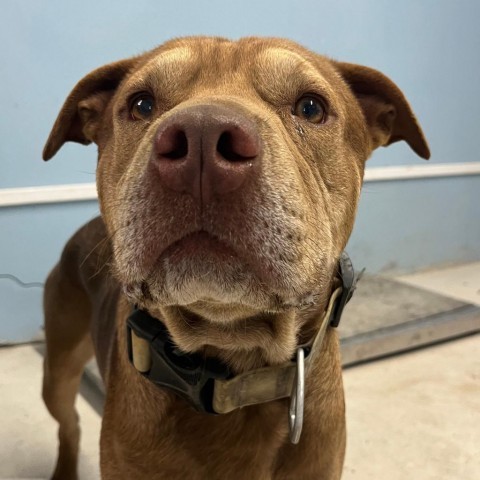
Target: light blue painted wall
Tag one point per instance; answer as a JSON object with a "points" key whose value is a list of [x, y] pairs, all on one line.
{"points": [[403, 226], [429, 47], [30, 245]]}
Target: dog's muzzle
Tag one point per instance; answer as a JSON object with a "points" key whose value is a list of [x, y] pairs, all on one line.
{"points": [[209, 386]]}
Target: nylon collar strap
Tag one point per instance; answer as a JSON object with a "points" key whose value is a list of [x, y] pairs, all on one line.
{"points": [[207, 384]]}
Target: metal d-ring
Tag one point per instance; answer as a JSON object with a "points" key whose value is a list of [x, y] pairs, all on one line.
{"points": [[295, 414]]}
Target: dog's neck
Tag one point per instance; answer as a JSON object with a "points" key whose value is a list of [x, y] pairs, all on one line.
{"points": [[266, 340], [208, 384], [253, 341]]}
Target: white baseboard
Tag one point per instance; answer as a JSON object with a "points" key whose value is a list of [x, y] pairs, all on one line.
{"points": [[406, 172], [81, 192], [76, 192]]}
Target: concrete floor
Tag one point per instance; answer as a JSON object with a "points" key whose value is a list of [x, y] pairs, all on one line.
{"points": [[461, 282], [28, 433], [413, 416], [416, 415]]}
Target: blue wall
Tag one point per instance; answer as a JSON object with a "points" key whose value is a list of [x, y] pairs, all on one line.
{"points": [[429, 47]]}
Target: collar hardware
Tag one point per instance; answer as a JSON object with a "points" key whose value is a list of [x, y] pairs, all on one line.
{"points": [[297, 397], [349, 279], [190, 376]]}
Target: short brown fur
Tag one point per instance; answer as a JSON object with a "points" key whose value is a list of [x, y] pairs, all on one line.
{"points": [[251, 301]]}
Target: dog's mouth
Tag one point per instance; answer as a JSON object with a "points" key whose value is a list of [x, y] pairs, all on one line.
{"points": [[201, 267], [197, 267], [198, 246], [202, 253]]}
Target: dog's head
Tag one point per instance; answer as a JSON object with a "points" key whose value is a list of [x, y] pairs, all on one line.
{"points": [[229, 174]]}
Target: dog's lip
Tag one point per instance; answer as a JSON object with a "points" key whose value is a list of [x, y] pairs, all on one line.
{"points": [[197, 243], [202, 245]]}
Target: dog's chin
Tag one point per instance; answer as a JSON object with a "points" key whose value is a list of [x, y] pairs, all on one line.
{"points": [[218, 295], [218, 291], [202, 284], [213, 280]]}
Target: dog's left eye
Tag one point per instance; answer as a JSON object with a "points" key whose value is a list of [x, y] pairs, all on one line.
{"points": [[311, 109], [142, 106]]}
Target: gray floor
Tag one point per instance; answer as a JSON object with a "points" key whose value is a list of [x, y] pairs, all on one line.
{"points": [[414, 415], [28, 434]]}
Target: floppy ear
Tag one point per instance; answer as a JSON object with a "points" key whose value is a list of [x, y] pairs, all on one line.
{"points": [[82, 111], [387, 112]]}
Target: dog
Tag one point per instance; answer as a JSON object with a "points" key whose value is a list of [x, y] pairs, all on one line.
{"points": [[228, 178]]}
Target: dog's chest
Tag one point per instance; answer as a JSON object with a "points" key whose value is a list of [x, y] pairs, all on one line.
{"points": [[169, 439]]}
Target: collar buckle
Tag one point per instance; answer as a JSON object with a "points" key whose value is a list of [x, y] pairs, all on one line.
{"points": [[157, 358]]}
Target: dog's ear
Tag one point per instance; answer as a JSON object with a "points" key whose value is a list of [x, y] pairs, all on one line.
{"points": [[82, 111], [387, 112]]}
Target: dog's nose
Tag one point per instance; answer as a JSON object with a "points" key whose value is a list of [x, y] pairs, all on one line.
{"points": [[206, 151]]}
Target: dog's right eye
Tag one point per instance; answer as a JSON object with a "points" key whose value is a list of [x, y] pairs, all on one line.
{"points": [[142, 106]]}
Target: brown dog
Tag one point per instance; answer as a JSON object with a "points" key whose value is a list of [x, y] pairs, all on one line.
{"points": [[228, 177]]}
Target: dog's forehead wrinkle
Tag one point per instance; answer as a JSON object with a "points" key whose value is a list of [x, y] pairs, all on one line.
{"points": [[166, 59], [282, 65], [284, 58], [210, 62], [173, 56], [165, 69]]}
